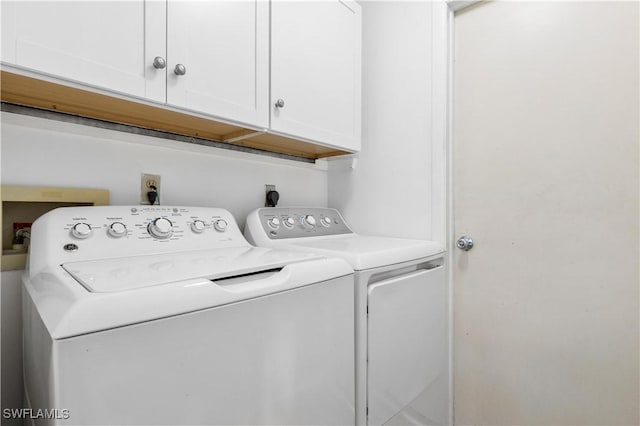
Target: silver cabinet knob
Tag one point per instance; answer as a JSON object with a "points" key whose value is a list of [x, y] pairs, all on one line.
{"points": [[159, 63], [280, 103], [180, 69], [465, 243]]}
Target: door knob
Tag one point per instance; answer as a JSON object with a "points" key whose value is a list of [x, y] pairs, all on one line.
{"points": [[465, 243]]}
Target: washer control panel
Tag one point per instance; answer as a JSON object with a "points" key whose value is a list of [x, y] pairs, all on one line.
{"points": [[95, 232], [300, 222]]}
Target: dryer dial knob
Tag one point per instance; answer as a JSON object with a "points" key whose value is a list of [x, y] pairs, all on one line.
{"points": [[117, 229], [326, 221], [289, 222], [160, 228], [81, 230], [274, 223], [220, 225], [308, 222], [197, 226]]}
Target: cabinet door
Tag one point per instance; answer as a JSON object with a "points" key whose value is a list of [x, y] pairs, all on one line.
{"points": [[101, 43], [224, 48], [315, 71]]}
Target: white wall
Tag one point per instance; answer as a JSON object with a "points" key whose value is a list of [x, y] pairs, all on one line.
{"points": [[392, 191], [43, 152]]}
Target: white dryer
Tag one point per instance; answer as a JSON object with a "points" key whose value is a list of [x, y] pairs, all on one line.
{"points": [[166, 315], [402, 344]]}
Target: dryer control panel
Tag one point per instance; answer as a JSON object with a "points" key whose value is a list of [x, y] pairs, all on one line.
{"points": [[102, 232], [297, 222]]}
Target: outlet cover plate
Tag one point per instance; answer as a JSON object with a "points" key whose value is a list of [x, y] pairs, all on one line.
{"points": [[146, 181]]}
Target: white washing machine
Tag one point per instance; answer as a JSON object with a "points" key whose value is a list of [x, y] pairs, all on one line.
{"points": [[166, 315], [402, 344]]}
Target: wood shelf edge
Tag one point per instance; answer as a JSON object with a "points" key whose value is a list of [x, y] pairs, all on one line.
{"points": [[52, 96]]}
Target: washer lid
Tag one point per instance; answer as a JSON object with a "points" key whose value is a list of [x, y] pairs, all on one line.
{"points": [[119, 292], [121, 274], [366, 252]]}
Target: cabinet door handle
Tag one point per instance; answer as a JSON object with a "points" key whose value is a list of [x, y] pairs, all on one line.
{"points": [[159, 63], [180, 69], [280, 103]]}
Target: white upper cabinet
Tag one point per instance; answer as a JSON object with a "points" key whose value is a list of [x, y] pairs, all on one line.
{"points": [[315, 71], [289, 67], [109, 44], [224, 49]]}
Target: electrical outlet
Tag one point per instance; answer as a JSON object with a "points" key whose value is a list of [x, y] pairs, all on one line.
{"points": [[268, 188], [146, 183]]}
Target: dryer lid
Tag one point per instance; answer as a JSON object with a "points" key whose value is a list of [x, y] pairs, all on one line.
{"points": [[366, 252]]}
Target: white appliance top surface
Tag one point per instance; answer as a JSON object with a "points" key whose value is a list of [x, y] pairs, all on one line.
{"points": [[324, 231], [366, 252], [98, 268], [121, 274]]}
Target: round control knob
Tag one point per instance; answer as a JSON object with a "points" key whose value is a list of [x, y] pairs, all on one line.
{"points": [[274, 223], [160, 228], [197, 226], [326, 221], [220, 225], [81, 230], [309, 222], [117, 229], [289, 222]]}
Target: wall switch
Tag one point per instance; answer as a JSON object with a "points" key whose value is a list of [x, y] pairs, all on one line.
{"points": [[147, 184]]}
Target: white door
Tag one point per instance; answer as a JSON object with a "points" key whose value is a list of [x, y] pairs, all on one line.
{"points": [[109, 44], [224, 49], [315, 71], [546, 183]]}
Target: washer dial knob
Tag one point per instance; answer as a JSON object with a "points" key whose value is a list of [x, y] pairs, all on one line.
{"points": [[289, 222], [197, 226], [220, 225], [326, 221], [308, 222], [160, 228], [274, 223], [117, 229], [81, 230]]}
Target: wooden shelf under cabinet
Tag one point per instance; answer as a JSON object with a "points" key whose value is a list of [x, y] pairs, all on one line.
{"points": [[52, 96], [27, 203]]}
